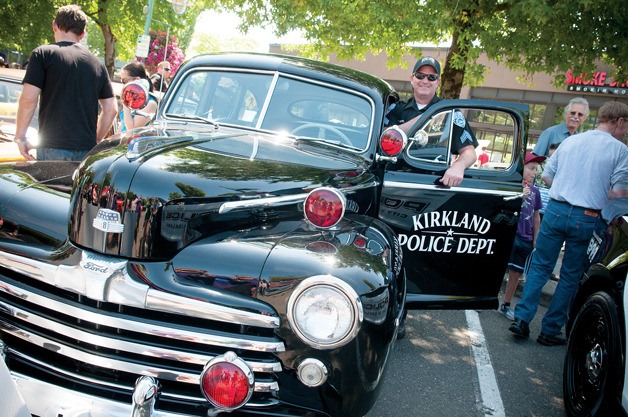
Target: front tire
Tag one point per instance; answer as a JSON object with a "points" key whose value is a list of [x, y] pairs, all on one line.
{"points": [[592, 374]]}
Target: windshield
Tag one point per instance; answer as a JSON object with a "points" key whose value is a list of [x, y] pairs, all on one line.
{"points": [[271, 102]]}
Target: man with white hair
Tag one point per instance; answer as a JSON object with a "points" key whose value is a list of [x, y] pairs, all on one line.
{"points": [[575, 112], [586, 172]]}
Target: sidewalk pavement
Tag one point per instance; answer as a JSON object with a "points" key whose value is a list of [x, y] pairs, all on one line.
{"points": [[548, 289]]}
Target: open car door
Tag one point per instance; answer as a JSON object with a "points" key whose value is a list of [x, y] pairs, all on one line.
{"points": [[457, 241]]}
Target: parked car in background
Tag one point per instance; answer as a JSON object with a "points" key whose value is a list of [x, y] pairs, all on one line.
{"points": [[595, 375], [252, 251], [10, 90]]}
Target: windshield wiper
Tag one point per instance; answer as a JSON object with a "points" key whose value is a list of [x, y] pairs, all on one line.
{"points": [[194, 117]]}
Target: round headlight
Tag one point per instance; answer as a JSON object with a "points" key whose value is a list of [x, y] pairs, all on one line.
{"points": [[325, 312]]}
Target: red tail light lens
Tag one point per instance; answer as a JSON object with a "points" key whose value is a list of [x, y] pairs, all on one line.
{"points": [[324, 207], [135, 95], [392, 141], [227, 382]]}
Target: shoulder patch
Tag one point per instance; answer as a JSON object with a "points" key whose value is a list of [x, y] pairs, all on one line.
{"points": [[459, 119]]}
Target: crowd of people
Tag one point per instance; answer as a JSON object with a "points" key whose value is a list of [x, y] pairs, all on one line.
{"points": [[65, 78]]}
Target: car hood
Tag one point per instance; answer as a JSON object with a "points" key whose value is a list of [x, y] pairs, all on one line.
{"points": [[146, 194]]}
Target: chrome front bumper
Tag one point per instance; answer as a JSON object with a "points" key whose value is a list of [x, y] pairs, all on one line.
{"points": [[47, 400]]}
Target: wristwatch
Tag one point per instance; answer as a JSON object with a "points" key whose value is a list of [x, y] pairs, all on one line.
{"points": [[19, 140]]}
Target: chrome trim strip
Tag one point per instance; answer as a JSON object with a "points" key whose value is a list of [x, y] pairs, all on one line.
{"points": [[283, 200], [251, 343], [267, 99], [163, 301], [414, 186], [110, 343], [261, 202], [105, 278], [45, 399], [118, 365]]}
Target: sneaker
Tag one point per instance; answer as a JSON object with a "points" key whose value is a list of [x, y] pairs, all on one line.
{"points": [[551, 340], [506, 311], [520, 328]]}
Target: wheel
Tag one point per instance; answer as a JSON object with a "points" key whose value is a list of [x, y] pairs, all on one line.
{"points": [[343, 138], [592, 374]]}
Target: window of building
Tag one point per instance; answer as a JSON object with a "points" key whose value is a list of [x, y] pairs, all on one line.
{"points": [[536, 115]]}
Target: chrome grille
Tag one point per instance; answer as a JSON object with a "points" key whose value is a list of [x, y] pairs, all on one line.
{"points": [[102, 346]]}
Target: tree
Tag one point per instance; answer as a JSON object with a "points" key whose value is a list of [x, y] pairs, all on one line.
{"points": [[548, 36], [121, 21], [27, 24]]}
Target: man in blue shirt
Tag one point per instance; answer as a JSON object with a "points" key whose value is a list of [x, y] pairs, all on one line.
{"points": [[586, 172], [575, 112]]}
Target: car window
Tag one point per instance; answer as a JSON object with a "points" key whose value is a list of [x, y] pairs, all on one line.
{"points": [[311, 110], [270, 102], [227, 97], [494, 131]]}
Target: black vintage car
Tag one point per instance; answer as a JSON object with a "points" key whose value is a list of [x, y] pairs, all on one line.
{"points": [[594, 375], [252, 251]]}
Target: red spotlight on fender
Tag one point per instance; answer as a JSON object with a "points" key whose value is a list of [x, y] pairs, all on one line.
{"points": [[324, 207]]}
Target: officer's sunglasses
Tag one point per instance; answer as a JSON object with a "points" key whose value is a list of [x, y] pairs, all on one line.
{"points": [[421, 76]]}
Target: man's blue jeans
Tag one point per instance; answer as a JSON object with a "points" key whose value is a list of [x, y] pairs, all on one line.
{"points": [[52, 154], [561, 223]]}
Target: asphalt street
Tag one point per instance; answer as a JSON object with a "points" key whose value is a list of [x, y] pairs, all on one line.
{"points": [[437, 370]]}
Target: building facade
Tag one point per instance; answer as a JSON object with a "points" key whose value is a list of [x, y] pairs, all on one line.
{"points": [[547, 102]]}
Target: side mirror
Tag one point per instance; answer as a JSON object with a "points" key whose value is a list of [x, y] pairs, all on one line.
{"points": [[420, 138], [135, 95]]}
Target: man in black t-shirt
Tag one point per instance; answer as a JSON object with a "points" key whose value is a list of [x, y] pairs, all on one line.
{"points": [[69, 82], [425, 79]]}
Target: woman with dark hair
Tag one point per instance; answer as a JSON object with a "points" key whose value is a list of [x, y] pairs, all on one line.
{"points": [[135, 71]]}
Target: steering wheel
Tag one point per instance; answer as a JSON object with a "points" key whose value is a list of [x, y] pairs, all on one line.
{"points": [[343, 138]]}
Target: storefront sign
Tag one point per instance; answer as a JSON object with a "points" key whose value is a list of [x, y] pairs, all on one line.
{"points": [[599, 82]]}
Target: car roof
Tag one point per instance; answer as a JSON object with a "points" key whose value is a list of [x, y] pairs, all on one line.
{"points": [[295, 65], [12, 74]]}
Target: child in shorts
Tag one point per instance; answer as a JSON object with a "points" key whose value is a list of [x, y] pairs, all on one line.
{"points": [[527, 231]]}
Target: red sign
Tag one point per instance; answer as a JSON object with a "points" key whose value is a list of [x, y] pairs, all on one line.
{"points": [[598, 82]]}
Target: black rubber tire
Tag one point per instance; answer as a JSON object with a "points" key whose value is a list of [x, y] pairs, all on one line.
{"points": [[593, 369]]}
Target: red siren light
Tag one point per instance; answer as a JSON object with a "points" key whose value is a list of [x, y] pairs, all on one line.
{"points": [[324, 207], [135, 95], [392, 141], [227, 382]]}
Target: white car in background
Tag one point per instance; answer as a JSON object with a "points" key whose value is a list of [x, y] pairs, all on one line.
{"points": [[10, 90]]}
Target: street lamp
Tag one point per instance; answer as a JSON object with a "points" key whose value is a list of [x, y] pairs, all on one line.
{"points": [[179, 7]]}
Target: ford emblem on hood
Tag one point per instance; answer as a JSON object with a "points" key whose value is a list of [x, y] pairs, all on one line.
{"points": [[108, 221]]}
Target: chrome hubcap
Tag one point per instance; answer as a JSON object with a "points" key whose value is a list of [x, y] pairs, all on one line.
{"points": [[594, 362]]}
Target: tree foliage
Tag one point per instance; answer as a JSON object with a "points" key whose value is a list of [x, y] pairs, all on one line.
{"points": [[549, 36], [27, 24]]}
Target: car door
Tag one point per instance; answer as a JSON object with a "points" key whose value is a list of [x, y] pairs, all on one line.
{"points": [[457, 241]]}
